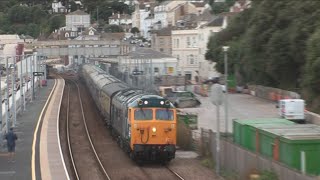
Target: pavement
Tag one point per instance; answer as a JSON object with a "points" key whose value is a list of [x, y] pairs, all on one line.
{"points": [[240, 106], [27, 120]]}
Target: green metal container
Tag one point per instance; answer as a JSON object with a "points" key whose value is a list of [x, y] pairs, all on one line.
{"points": [[268, 136], [291, 148], [287, 142], [244, 131]]}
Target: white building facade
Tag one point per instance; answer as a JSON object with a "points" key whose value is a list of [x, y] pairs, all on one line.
{"points": [[185, 49], [149, 61], [120, 19], [144, 14], [9, 44], [57, 7], [77, 19], [189, 47], [160, 16]]}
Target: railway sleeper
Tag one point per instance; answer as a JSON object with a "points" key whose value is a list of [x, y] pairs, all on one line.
{"points": [[160, 153]]}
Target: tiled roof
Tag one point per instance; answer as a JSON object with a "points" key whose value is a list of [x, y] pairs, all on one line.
{"points": [[150, 17], [216, 22], [199, 4], [163, 32], [26, 37], [206, 16], [112, 36], [78, 12], [86, 32], [9, 36]]}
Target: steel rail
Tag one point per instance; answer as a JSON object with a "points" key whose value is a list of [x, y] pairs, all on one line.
{"points": [[175, 173], [68, 135], [88, 135]]}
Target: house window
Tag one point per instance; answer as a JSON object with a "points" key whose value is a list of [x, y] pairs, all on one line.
{"points": [[156, 70], [188, 76], [177, 43], [188, 42], [196, 59], [161, 49], [161, 41], [194, 42], [191, 59]]}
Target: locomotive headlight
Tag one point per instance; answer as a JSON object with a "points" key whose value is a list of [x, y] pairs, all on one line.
{"points": [[146, 102], [161, 102], [154, 129]]}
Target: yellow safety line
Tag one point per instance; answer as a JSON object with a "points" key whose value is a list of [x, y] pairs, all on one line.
{"points": [[4, 154], [33, 169], [59, 142]]}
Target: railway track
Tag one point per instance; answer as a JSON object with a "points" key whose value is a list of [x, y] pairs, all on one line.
{"points": [[175, 173], [84, 163], [153, 171], [82, 153]]}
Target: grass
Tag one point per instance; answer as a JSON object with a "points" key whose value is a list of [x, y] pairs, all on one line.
{"points": [[268, 175], [208, 162], [229, 175]]}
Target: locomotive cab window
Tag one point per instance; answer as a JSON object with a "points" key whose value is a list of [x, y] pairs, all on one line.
{"points": [[164, 114], [143, 114]]}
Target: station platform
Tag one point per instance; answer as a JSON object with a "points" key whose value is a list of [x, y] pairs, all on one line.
{"points": [[21, 167]]}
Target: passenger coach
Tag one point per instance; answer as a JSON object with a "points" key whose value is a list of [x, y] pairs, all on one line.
{"points": [[143, 124]]}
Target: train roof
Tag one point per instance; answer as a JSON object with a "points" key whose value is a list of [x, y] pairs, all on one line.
{"points": [[122, 92], [106, 82]]}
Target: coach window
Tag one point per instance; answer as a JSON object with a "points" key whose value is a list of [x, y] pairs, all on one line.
{"points": [[164, 114], [143, 114]]}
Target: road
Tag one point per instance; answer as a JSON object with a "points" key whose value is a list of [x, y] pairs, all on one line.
{"points": [[240, 106]]}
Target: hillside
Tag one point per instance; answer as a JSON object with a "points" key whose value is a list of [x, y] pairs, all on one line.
{"points": [[274, 43], [32, 17]]}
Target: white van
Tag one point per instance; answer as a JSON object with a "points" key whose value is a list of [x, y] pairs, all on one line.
{"points": [[292, 109]]}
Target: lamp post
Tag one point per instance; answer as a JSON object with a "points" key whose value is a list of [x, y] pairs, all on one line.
{"points": [[13, 86], [225, 50], [7, 95], [1, 119]]}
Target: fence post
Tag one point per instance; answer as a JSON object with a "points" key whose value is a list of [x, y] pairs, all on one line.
{"points": [[211, 144], [201, 142]]}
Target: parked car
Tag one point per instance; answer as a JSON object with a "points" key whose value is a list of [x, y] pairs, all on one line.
{"points": [[212, 80], [183, 99]]}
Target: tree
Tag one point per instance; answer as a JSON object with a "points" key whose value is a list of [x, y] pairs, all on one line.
{"points": [[219, 7], [56, 22], [134, 30], [73, 6], [275, 43], [113, 28]]}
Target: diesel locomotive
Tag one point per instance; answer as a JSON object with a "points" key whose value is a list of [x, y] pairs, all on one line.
{"points": [[143, 124]]}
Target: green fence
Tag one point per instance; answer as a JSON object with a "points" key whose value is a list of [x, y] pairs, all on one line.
{"points": [[185, 124], [191, 120]]}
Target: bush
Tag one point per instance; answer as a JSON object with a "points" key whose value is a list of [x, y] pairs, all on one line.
{"points": [[268, 175], [208, 162], [229, 175]]}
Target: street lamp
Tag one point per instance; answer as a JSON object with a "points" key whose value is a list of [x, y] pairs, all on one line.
{"points": [[13, 86], [225, 50]]}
